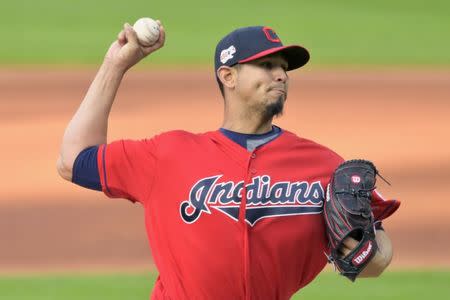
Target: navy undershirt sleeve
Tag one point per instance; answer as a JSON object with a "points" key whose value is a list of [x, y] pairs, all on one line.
{"points": [[85, 169]]}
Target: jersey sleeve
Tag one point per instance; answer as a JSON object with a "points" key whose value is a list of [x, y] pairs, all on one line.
{"points": [[381, 207], [127, 168]]}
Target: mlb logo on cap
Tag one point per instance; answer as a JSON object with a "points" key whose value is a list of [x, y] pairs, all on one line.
{"points": [[250, 43], [227, 54]]}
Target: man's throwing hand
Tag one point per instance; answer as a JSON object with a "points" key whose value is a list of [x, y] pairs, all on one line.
{"points": [[126, 51]]}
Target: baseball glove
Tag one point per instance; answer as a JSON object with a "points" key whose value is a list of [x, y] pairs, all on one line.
{"points": [[348, 213]]}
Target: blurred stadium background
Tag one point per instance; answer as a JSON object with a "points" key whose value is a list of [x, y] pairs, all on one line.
{"points": [[377, 86]]}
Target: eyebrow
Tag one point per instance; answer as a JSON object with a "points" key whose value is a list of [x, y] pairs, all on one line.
{"points": [[282, 62]]}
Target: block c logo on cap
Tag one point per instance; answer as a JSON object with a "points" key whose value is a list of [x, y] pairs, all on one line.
{"points": [[227, 54], [271, 35]]}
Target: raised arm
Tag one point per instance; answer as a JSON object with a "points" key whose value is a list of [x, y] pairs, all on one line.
{"points": [[89, 125]]}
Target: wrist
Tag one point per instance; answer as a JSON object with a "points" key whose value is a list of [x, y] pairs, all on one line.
{"points": [[112, 67], [378, 225]]}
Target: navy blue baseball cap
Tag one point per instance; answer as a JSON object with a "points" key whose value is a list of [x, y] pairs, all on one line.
{"points": [[250, 43]]}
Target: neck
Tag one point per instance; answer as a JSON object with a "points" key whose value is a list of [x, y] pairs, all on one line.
{"points": [[246, 123]]}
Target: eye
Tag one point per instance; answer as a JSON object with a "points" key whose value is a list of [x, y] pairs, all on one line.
{"points": [[267, 65]]}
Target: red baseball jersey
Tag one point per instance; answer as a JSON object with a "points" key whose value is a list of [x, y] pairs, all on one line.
{"points": [[223, 222]]}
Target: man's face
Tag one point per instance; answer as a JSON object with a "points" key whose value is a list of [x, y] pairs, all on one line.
{"points": [[263, 84]]}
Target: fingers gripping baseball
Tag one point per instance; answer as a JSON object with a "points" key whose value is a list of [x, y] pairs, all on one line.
{"points": [[121, 39], [159, 43], [126, 51]]}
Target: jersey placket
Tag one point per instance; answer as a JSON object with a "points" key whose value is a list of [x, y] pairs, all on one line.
{"points": [[249, 174], [246, 160]]}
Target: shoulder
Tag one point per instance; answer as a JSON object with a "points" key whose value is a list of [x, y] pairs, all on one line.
{"points": [[180, 140], [180, 136], [176, 140], [304, 144]]}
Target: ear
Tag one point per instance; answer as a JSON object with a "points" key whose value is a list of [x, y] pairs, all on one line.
{"points": [[227, 75]]}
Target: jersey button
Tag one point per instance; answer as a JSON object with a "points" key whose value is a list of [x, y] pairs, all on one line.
{"points": [[253, 171], [253, 155]]}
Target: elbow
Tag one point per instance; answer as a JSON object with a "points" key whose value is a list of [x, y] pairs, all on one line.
{"points": [[64, 169]]}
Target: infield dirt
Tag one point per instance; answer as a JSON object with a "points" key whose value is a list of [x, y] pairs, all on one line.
{"points": [[398, 119]]}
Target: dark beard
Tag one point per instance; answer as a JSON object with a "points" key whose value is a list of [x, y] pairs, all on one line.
{"points": [[274, 109]]}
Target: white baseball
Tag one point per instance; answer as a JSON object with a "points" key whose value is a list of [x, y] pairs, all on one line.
{"points": [[147, 31]]}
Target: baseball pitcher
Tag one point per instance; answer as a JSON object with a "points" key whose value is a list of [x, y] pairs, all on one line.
{"points": [[246, 211]]}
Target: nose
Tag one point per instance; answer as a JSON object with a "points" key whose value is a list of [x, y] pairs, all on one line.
{"points": [[280, 75]]}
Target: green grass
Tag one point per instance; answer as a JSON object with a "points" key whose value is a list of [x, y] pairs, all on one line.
{"points": [[68, 287], [397, 285], [381, 32], [392, 285]]}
